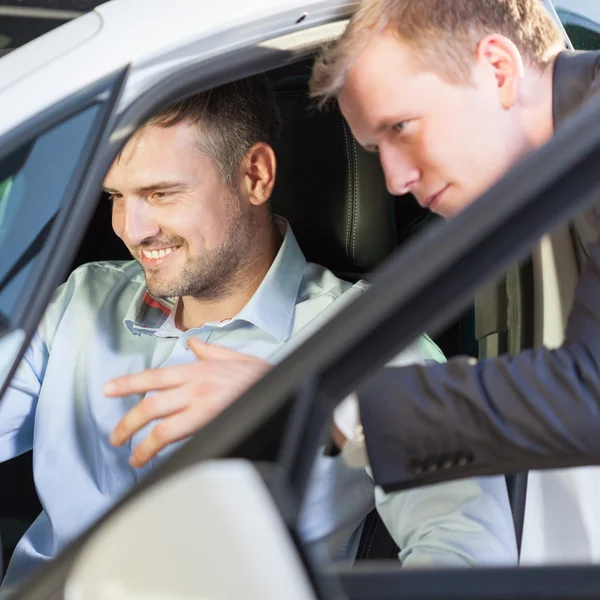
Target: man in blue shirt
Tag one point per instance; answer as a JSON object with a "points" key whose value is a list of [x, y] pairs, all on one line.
{"points": [[190, 196]]}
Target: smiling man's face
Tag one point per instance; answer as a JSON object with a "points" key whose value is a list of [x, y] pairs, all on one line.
{"points": [[445, 143], [185, 225]]}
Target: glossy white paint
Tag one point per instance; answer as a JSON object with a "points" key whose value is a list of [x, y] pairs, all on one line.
{"points": [[209, 532], [153, 37], [156, 546]]}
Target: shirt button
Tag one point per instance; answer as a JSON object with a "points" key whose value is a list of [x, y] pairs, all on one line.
{"points": [[432, 468], [416, 466]]}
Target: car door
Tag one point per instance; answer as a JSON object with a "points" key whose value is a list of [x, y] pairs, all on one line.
{"points": [[43, 167], [43, 171], [340, 356], [298, 395]]}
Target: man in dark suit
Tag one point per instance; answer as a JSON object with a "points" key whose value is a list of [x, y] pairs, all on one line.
{"points": [[451, 94]]}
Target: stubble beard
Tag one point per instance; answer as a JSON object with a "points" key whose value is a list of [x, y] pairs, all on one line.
{"points": [[214, 274]]}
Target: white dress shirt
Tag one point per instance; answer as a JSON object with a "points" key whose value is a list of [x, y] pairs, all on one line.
{"points": [[562, 521]]}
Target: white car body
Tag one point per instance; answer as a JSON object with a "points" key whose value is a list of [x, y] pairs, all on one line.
{"points": [[155, 40]]}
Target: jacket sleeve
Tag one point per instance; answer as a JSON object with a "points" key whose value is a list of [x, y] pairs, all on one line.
{"points": [[538, 410]]}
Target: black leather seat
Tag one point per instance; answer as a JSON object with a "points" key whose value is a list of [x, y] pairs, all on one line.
{"points": [[331, 191], [334, 196]]}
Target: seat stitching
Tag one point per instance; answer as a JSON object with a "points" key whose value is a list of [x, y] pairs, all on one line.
{"points": [[368, 537], [373, 537], [356, 202], [350, 190]]}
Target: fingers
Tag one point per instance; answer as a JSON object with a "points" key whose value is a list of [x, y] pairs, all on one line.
{"points": [[172, 429], [167, 377], [147, 410], [146, 381], [205, 351], [188, 396]]}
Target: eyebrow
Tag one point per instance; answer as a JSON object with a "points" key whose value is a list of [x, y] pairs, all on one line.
{"points": [[390, 121], [386, 124], [153, 187]]}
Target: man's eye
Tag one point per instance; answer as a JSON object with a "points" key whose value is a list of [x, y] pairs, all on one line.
{"points": [[112, 198], [159, 195], [399, 127]]}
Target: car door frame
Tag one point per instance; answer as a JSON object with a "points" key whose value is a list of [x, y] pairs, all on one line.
{"points": [[66, 232]]}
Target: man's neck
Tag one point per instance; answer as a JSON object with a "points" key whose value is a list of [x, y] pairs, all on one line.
{"points": [[539, 106], [195, 312]]}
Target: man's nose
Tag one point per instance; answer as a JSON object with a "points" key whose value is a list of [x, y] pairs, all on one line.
{"points": [[133, 221], [400, 173]]}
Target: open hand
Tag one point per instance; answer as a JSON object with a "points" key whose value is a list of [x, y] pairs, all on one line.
{"points": [[187, 396]]}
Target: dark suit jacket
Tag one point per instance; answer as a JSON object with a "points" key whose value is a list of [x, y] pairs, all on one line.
{"points": [[541, 409]]}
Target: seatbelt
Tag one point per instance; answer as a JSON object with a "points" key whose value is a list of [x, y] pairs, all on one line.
{"points": [[517, 495], [375, 541]]}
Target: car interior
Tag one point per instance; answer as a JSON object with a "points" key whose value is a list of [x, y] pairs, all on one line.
{"points": [[333, 193]]}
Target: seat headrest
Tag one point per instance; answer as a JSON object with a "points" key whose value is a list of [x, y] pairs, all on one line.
{"points": [[331, 191]]}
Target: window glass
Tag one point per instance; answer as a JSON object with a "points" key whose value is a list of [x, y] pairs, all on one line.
{"points": [[18, 30], [33, 181], [581, 20], [583, 38]]}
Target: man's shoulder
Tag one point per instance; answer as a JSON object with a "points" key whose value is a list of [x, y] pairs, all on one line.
{"points": [[92, 283], [327, 294], [320, 297], [88, 290], [322, 294], [108, 273], [576, 80], [320, 282]]}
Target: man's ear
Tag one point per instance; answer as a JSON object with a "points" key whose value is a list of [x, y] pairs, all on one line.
{"points": [[499, 56], [258, 171]]}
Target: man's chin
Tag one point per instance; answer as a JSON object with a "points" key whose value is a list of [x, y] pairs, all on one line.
{"points": [[451, 207], [161, 289], [161, 294]]}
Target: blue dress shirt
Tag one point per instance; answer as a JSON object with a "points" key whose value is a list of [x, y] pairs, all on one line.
{"points": [[103, 323]]}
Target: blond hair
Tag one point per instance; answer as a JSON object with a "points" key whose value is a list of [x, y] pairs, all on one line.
{"points": [[444, 33]]}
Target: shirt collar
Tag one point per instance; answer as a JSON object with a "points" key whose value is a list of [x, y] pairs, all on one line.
{"points": [[273, 304], [148, 314], [271, 307]]}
